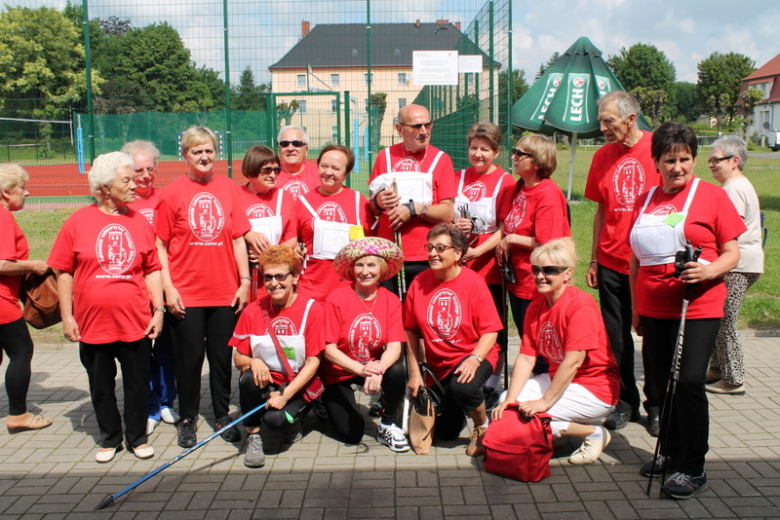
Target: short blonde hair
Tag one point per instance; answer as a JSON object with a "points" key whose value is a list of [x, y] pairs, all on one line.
{"points": [[197, 135], [104, 168], [12, 175], [543, 152], [560, 251]]}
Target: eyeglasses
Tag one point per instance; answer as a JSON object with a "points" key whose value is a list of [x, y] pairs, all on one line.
{"points": [[718, 160], [278, 277], [416, 127], [268, 170], [548, 270], [440, 248], [519, 154], [296, 143]]}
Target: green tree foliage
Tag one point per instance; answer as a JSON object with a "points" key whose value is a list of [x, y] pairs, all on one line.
{"points": [[519, 85], [644, 66], [378, 107], [750, 98], [720, 80], [544, 66], [248, 96], [687, 107]]}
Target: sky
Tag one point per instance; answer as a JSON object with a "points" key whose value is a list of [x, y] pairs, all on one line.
{"points": [[261, 31]]}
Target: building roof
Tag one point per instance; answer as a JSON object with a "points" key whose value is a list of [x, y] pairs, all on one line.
{"points": [[769, 69], [344, 45]]}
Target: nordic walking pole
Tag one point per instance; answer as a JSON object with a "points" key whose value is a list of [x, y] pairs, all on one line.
{"points": [[110, 499]]}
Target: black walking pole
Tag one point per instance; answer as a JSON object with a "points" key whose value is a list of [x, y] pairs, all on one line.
{"points": [[110, 499]]}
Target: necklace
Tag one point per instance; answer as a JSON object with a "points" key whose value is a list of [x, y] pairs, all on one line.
{"points": [[371, 310]]}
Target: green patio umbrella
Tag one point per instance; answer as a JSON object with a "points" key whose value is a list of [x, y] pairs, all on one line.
{"points": [[564, 98]]}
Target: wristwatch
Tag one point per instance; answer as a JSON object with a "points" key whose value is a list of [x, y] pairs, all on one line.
{"points": [[479, 358], [160, 309]]}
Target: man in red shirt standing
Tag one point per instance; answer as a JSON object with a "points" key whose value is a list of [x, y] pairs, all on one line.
{"points": [[621, 171], [424, 179], [297, 176]]}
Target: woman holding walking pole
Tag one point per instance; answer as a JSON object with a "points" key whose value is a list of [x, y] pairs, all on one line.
{"points": [[682, 212]]}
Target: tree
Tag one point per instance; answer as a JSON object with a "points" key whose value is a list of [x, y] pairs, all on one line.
{"points": [[544, 66], [115, 26], [287, 111], [750, 98], [379, 107], [720, 80], [687, 108], [653, 103], [519, 85], [644, 66], [246, 95]]}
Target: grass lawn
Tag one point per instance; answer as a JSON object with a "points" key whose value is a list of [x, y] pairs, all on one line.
{"points": [[760, 310]]}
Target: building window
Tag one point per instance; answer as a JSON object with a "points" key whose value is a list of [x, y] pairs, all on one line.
{"points": [[403, 78], [301, 80], [354, 52], [367, 81], [401, 103], [334, 107], [335, 80], [469, 78], [301, 106], [397, 52]]}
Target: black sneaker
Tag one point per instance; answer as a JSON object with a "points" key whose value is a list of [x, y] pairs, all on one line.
{"points": [[653, 424], [617, 420], [683, 486], [231, 434], [186, 430], [656, 466]]}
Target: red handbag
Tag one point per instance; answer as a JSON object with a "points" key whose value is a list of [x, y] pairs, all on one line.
{"points": [[519, 448]]}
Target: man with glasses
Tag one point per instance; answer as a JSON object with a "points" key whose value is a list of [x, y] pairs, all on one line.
{"points": [[297, 176], [621, 171], [412, 188]]}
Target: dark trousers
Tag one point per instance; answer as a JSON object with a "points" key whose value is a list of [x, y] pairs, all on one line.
{"points": [[343, 410], [204, 331], [252, 396], [460, 399], [411, 270], [519, 307], [499, 295], [100, 362], [18, 346], [162, 375], [687, 437], [615, 297]]}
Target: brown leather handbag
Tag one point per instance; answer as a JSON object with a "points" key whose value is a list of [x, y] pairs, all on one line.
{"points": [[41, 300]]}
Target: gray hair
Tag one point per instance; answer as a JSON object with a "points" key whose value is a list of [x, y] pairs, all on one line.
{"points": [[293, 127], [732, 145], [134, 147], [560, 252], [11, 176], [626, 103], [103, 171]]}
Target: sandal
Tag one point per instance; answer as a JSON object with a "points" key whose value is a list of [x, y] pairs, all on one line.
{"points": [[34, 422]]}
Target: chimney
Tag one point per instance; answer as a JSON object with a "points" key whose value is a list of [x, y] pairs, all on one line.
{"points": [[305, 28], [442, 22], [417, 23], [457, 25]]}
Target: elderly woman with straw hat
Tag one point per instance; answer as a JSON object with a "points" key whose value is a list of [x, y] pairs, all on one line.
{"points": [[363, 336]]}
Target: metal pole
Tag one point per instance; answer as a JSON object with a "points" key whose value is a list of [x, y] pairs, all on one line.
{"points": [[228, 114], [368, 66], [510, 87], [88, 71], [492, 103]]}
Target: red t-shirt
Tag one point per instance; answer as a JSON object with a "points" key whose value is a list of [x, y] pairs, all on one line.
{"points": [[287, 322], [573, 323], [199, 222], [477, 187], [14, 247], [109, 257], [617, 177], [451, 316], [148, 206], [538, 212], [319, 279], [712, 221], [304, 182], [445, 186], [360, 334], [264, 205]]}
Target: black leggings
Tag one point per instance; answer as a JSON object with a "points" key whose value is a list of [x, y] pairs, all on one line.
{"points": [[460, 399], [252, 396], [343, 410], [18, 346]]}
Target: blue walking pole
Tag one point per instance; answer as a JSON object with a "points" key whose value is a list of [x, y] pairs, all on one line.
{"points": [[110, 499]]}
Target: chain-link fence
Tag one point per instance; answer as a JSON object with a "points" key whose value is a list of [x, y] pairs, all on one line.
{"points": [[148, 70]]}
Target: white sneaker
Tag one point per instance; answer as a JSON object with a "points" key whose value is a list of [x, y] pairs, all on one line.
{"points": [[143, 452], [590, 450], [393, 437], [151, 424], [169, 416]]}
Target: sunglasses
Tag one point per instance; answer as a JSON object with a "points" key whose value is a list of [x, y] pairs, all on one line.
{"points": [[296, 143], [440, 248], [718, 160], [278, 277], [418, 126], [519, 154], [268, 170], [548, 270]]}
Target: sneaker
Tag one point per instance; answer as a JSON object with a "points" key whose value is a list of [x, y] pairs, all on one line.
{"points": [[393, 437], [683, 486], [231, 434], [377, 408], [151, 424], [722, 387], [254, 457], [144, 451], [292, 434], [186, 431], [617, 420], [656, 466], [169, 416], [107, 454], [653, 424], [475, 448], [590, 450]]}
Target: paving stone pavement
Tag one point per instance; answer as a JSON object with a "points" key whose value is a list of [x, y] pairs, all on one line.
{"points": [[52, 474]]}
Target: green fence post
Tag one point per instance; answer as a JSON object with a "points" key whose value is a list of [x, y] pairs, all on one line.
{"points": [[490, 70], [368, 66], [228, 113], [88, 70], [347, 124]]}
